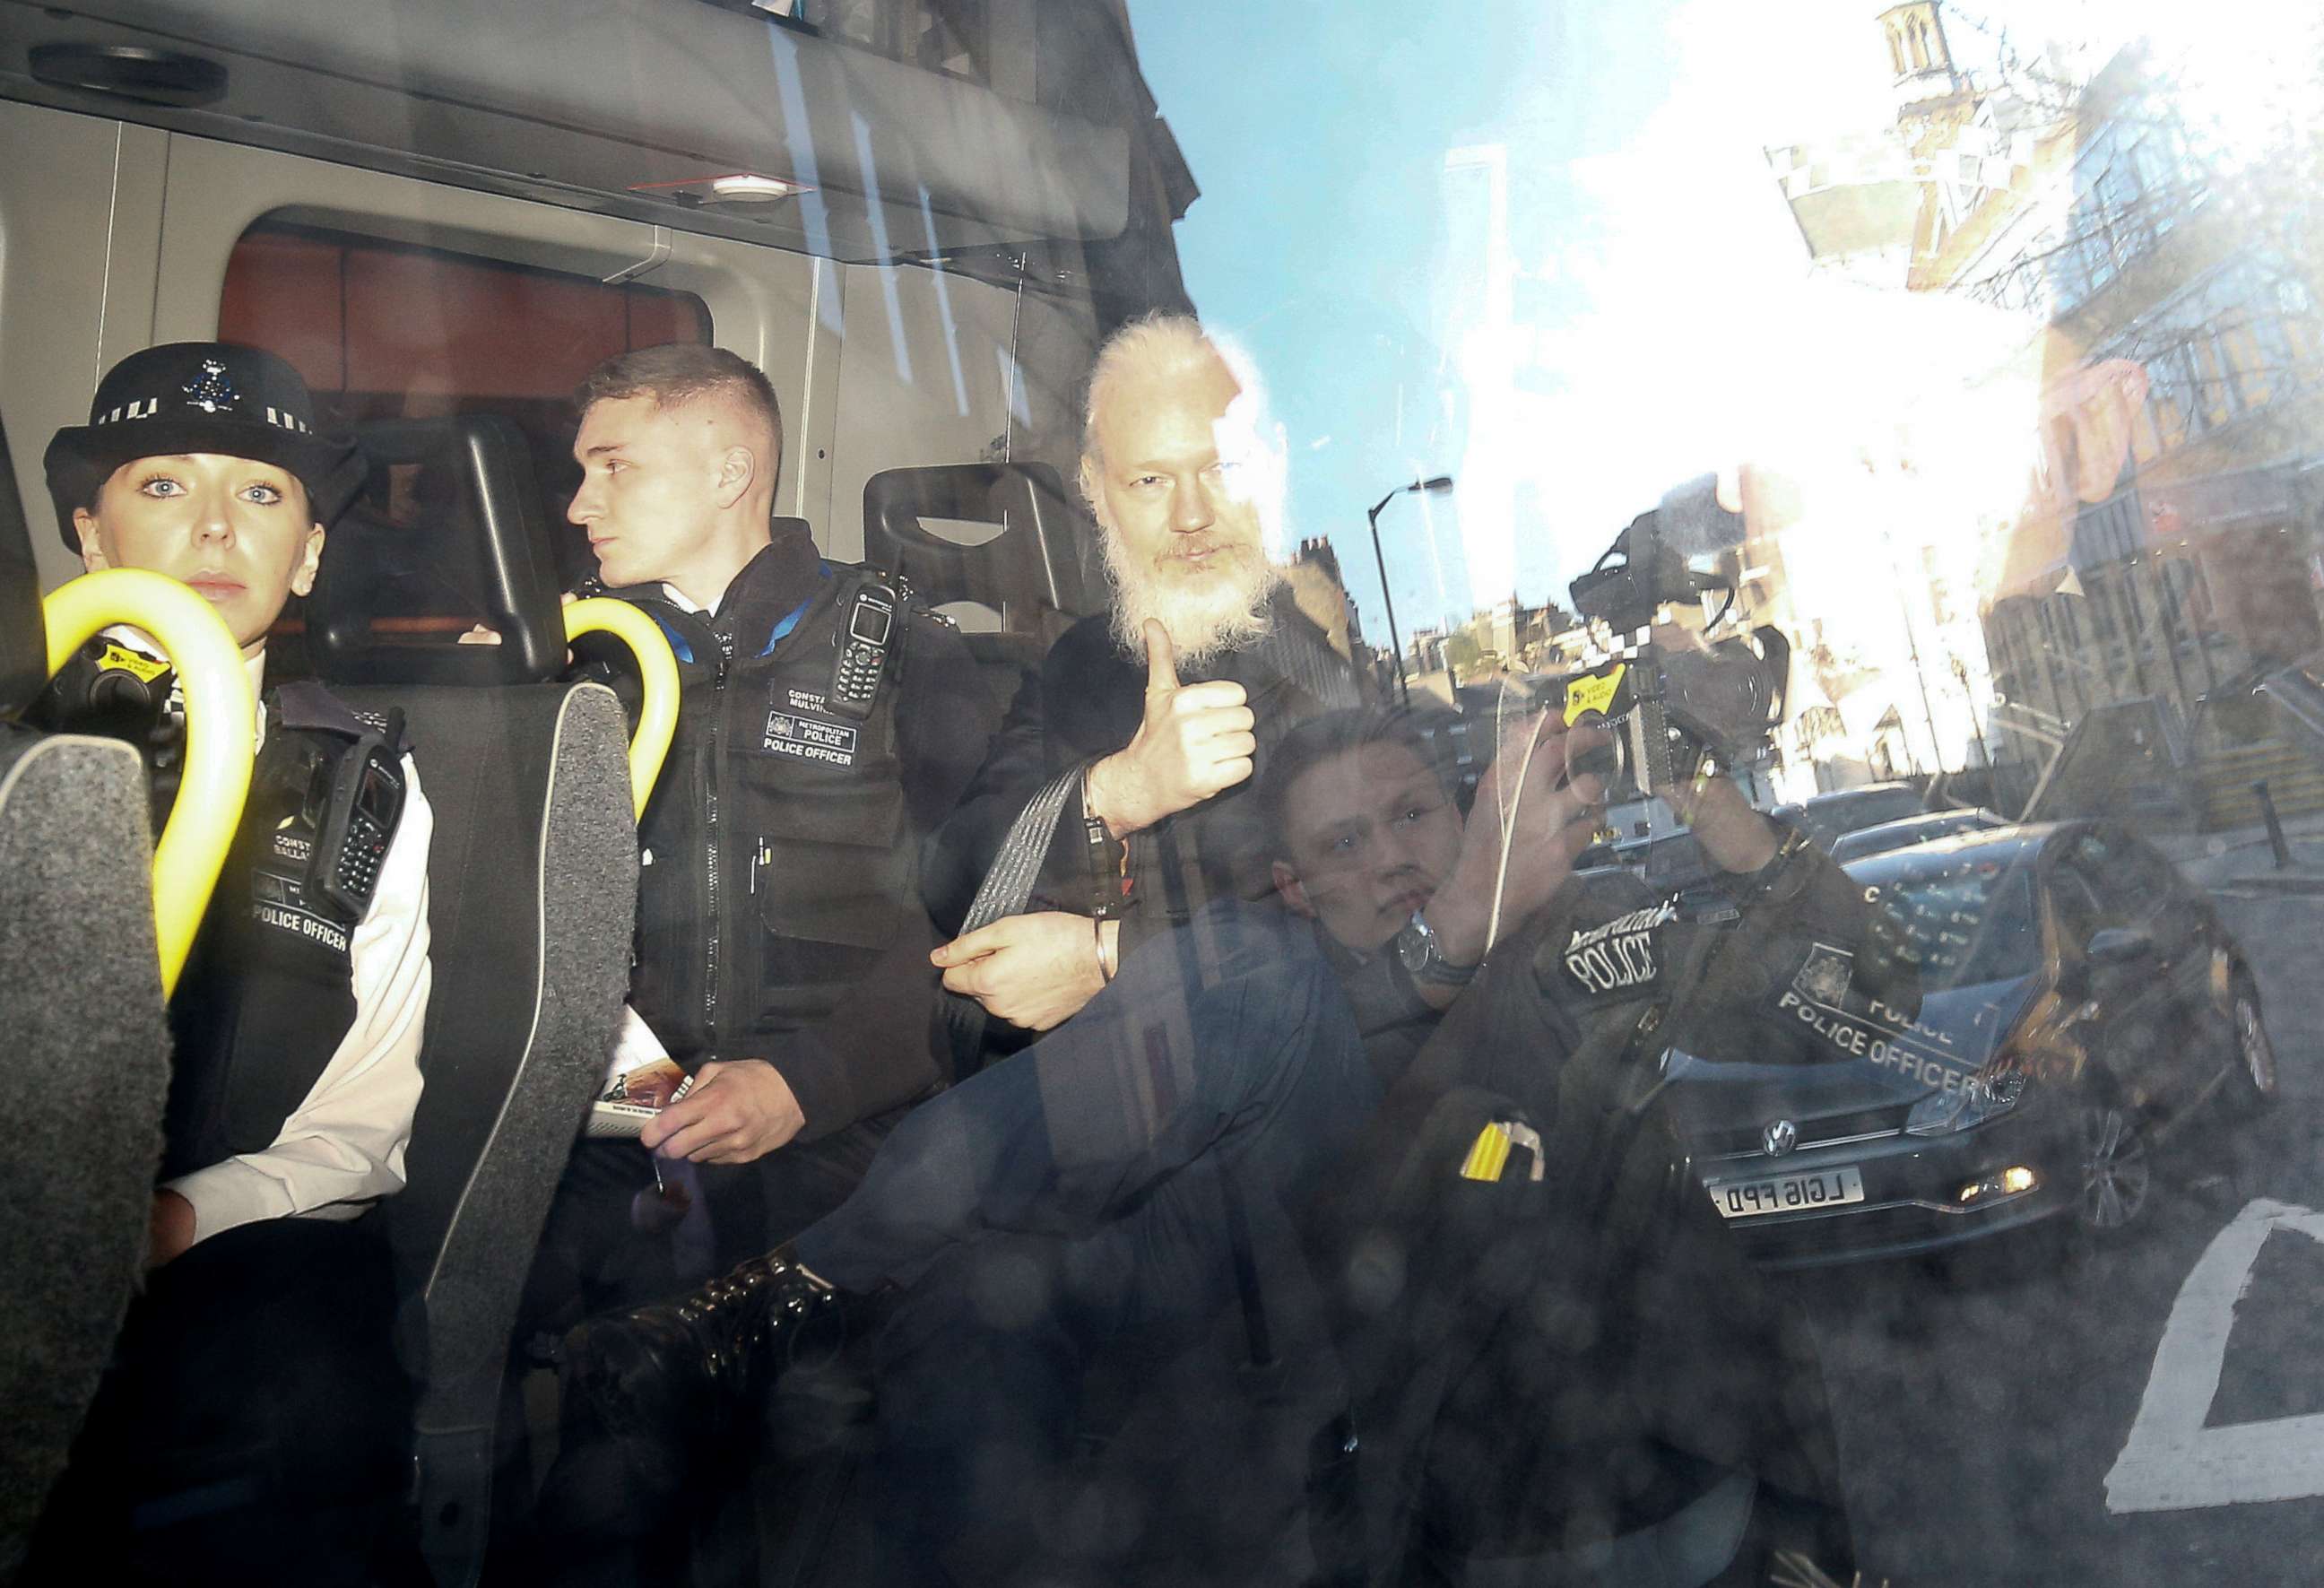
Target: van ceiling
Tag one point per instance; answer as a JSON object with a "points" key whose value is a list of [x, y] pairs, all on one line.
{"points": [[577, 106]]}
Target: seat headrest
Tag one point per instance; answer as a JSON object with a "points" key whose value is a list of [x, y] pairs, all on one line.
{"points": [[391, 597], [1034, 564]]}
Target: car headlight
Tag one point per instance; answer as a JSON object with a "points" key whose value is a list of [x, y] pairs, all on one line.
{"points": [[1983, 1097]]}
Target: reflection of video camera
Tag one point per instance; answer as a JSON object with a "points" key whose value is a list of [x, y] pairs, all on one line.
{"points": [[1669, 709], [110, 691]]}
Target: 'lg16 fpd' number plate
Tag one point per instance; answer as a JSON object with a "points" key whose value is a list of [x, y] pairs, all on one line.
{"points": [[1743, 1199]]}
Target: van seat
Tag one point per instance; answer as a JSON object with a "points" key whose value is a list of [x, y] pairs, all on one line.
{"points": [[89, 1043], [532, 884]]}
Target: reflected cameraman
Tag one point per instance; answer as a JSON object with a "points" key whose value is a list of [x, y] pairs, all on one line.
{"points": [[1563, 1368], [1574, 1356]]}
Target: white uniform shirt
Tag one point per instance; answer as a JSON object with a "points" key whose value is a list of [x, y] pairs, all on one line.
{"points": [[342, 1149]]}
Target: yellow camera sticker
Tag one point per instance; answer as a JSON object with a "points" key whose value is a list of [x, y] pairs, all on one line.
{"points": [[1592, 692], [121, 658], [1489, 1154]]}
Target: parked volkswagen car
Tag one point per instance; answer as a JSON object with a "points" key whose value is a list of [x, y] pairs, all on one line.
{"points": [[2078, 1000], [1825, 816], [1909, 830]]}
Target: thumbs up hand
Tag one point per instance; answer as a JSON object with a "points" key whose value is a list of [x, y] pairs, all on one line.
{"points": [[1195, 739]]}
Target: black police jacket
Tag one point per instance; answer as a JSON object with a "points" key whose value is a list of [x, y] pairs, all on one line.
{"points": [[267, 994], [1087, 702], [779, 909]]}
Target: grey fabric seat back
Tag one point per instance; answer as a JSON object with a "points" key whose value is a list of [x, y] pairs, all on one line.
{"points": [[532, 884], [80, 1001]]}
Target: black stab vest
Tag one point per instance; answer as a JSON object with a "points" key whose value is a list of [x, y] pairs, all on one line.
{"points": [[268, 994], [779, 862]]}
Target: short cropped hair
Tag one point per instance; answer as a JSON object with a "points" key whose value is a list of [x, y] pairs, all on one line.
{"points": [[679, 373], [1426, 731]]}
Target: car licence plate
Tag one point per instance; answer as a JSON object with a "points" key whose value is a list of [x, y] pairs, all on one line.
{"points": [[1744, 1199]]}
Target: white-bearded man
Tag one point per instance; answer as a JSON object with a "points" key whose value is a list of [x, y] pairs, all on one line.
{"points": [[1168, 703]]}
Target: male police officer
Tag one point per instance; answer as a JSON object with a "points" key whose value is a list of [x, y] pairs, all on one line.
{"points": [[1575, 1373], [825, 723], [256, 1425]]}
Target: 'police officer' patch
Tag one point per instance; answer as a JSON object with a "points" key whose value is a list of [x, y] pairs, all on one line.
{"points": [[809, 740], [300, 923]]}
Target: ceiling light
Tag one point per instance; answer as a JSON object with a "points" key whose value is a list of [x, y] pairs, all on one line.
{"points": [[745, 187], [740, 186]]}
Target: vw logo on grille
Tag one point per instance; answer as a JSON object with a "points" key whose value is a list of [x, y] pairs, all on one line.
{"points": [[1780, 1138]]}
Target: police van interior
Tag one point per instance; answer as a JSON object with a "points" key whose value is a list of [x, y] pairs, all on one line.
{"points": [[920, 238], [1953, 372]]}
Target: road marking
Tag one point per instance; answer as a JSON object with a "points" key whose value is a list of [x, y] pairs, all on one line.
{"points": [[2171, 1462]]}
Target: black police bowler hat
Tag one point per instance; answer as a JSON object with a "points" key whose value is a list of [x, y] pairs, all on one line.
{"points": [[214, 397]]}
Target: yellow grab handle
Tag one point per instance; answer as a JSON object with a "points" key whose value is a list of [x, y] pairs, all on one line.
{"points": [[221, 732], [656, 665]]}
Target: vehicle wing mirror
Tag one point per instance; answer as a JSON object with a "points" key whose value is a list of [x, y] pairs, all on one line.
{"points": [[2120, 945]]}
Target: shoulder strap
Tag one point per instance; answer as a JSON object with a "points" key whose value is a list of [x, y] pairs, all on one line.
{"points": [[1005, 890]]}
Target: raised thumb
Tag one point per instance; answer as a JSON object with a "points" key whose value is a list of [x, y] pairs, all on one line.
{"points": [[1161, 659]]}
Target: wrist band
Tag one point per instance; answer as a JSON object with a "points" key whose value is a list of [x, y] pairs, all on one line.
{"points": [[1097, 937], [1109, 884]]}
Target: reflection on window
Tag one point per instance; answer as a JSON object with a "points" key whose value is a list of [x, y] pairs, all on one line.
{"points": [[2133, 183], [951, 36], [2233, 342], [389, 331], [2101, 598], [2169, 398], [1969, 923]]}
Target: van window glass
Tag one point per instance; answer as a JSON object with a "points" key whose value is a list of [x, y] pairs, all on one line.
{"points": [[392, 330], [1969, 921]]}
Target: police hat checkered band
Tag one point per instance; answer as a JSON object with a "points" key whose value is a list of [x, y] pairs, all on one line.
{"points": [[201, 397], [211, 391]]}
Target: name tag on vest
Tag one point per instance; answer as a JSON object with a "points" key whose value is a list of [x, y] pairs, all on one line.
{"points": [[300, 923], [807, 739]]}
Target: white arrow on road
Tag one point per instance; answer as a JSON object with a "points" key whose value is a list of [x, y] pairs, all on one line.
{"points": [[2171, 1462]]}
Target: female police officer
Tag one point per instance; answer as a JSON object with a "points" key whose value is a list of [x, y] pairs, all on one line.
{"points": [[254, 1423]]}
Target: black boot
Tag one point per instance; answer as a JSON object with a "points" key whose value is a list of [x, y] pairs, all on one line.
{"points": [[671, 1384]]}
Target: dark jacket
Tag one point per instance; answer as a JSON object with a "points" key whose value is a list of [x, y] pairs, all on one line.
{"points": [[1087, 702], [780, 913], [269, 994], [1556, 1361]]}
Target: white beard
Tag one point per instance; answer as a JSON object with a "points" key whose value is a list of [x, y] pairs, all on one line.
{"points": [[1222, 610]]}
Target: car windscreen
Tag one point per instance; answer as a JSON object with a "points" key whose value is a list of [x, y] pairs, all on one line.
{"points": [[1970, 918]]}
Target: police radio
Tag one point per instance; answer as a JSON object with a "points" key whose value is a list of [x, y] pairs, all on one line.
{"points": [[360, 809], [862, 651]]}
